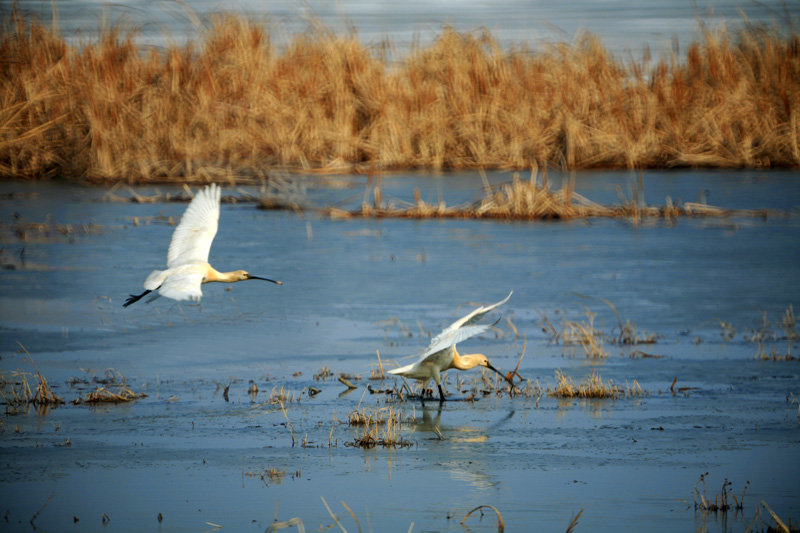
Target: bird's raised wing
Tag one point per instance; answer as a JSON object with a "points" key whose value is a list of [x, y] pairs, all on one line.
{"points": [[183, 285], [462, 329], [192, 239]]}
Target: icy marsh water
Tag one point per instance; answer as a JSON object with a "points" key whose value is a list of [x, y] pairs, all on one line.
{"points": [[354, 287]]}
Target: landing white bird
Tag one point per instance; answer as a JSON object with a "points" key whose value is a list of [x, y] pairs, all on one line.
{"points": [[442, 355], [187, 258]]}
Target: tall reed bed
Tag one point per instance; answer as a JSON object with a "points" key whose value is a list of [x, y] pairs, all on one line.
{"points": [[232, 104]]}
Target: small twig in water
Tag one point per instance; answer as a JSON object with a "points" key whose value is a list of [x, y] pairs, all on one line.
{"points": [[335, 518], [574, 522], [48, 501]]}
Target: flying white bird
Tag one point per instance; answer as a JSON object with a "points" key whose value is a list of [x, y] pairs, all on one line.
{"points": [[442, 355], [187, 258]]}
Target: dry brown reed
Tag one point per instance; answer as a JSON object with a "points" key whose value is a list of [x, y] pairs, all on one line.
{"points": [[381, 427], [780, 526], [121, 394], [323, 374], [584, 334], [501, 524], [720, 502], [16, 391], [592, 386], [232, 105], [766, 332], [534, 200], [281, 396], [267, 476]]}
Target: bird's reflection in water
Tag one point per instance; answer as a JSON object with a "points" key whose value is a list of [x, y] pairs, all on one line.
{"points": [[428, 423], [432, 423]]}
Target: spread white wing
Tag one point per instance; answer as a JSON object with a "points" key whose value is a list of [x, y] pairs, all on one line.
{"points": [[462, 329], [191, 242]]}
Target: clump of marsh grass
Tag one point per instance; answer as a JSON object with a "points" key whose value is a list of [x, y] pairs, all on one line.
{"points": [[231, 104], [768, 332], [629, 335], [592, 386], [37, 232], [369, 416], [381, 427], [323, 374], [530, 200], [113, 388], [267, 476], [122, 393], [584, 334], [16, 390], [281, 396], [720, 503], [579, 333], [773, 355]]}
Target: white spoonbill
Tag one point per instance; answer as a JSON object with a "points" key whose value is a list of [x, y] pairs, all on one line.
{"points": [[187, 258], [442, 355]]}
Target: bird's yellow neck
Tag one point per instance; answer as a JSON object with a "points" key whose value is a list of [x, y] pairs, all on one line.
{"points": [[213, 274], [464, 362]]}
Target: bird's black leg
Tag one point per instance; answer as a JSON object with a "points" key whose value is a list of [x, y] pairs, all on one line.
{"points": [[134, 298], [441, 394]]}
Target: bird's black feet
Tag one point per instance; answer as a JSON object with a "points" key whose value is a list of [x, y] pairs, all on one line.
{"points": [[135, 298]]}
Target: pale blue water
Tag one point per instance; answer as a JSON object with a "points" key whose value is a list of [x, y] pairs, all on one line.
{"points": [[182, 450]]}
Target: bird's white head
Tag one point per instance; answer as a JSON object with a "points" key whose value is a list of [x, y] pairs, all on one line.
{"points": [[481, 360], [240, 275], [469, 361]]}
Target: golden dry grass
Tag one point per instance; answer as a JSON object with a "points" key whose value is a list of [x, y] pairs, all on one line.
{"points": [[592, 386], [381, 427], [122, 393], [533, 199], [15, 389], [232, 105]]}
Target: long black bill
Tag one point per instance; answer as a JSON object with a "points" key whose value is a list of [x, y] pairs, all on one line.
{"points": [[510, 382], [265, 279]]}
